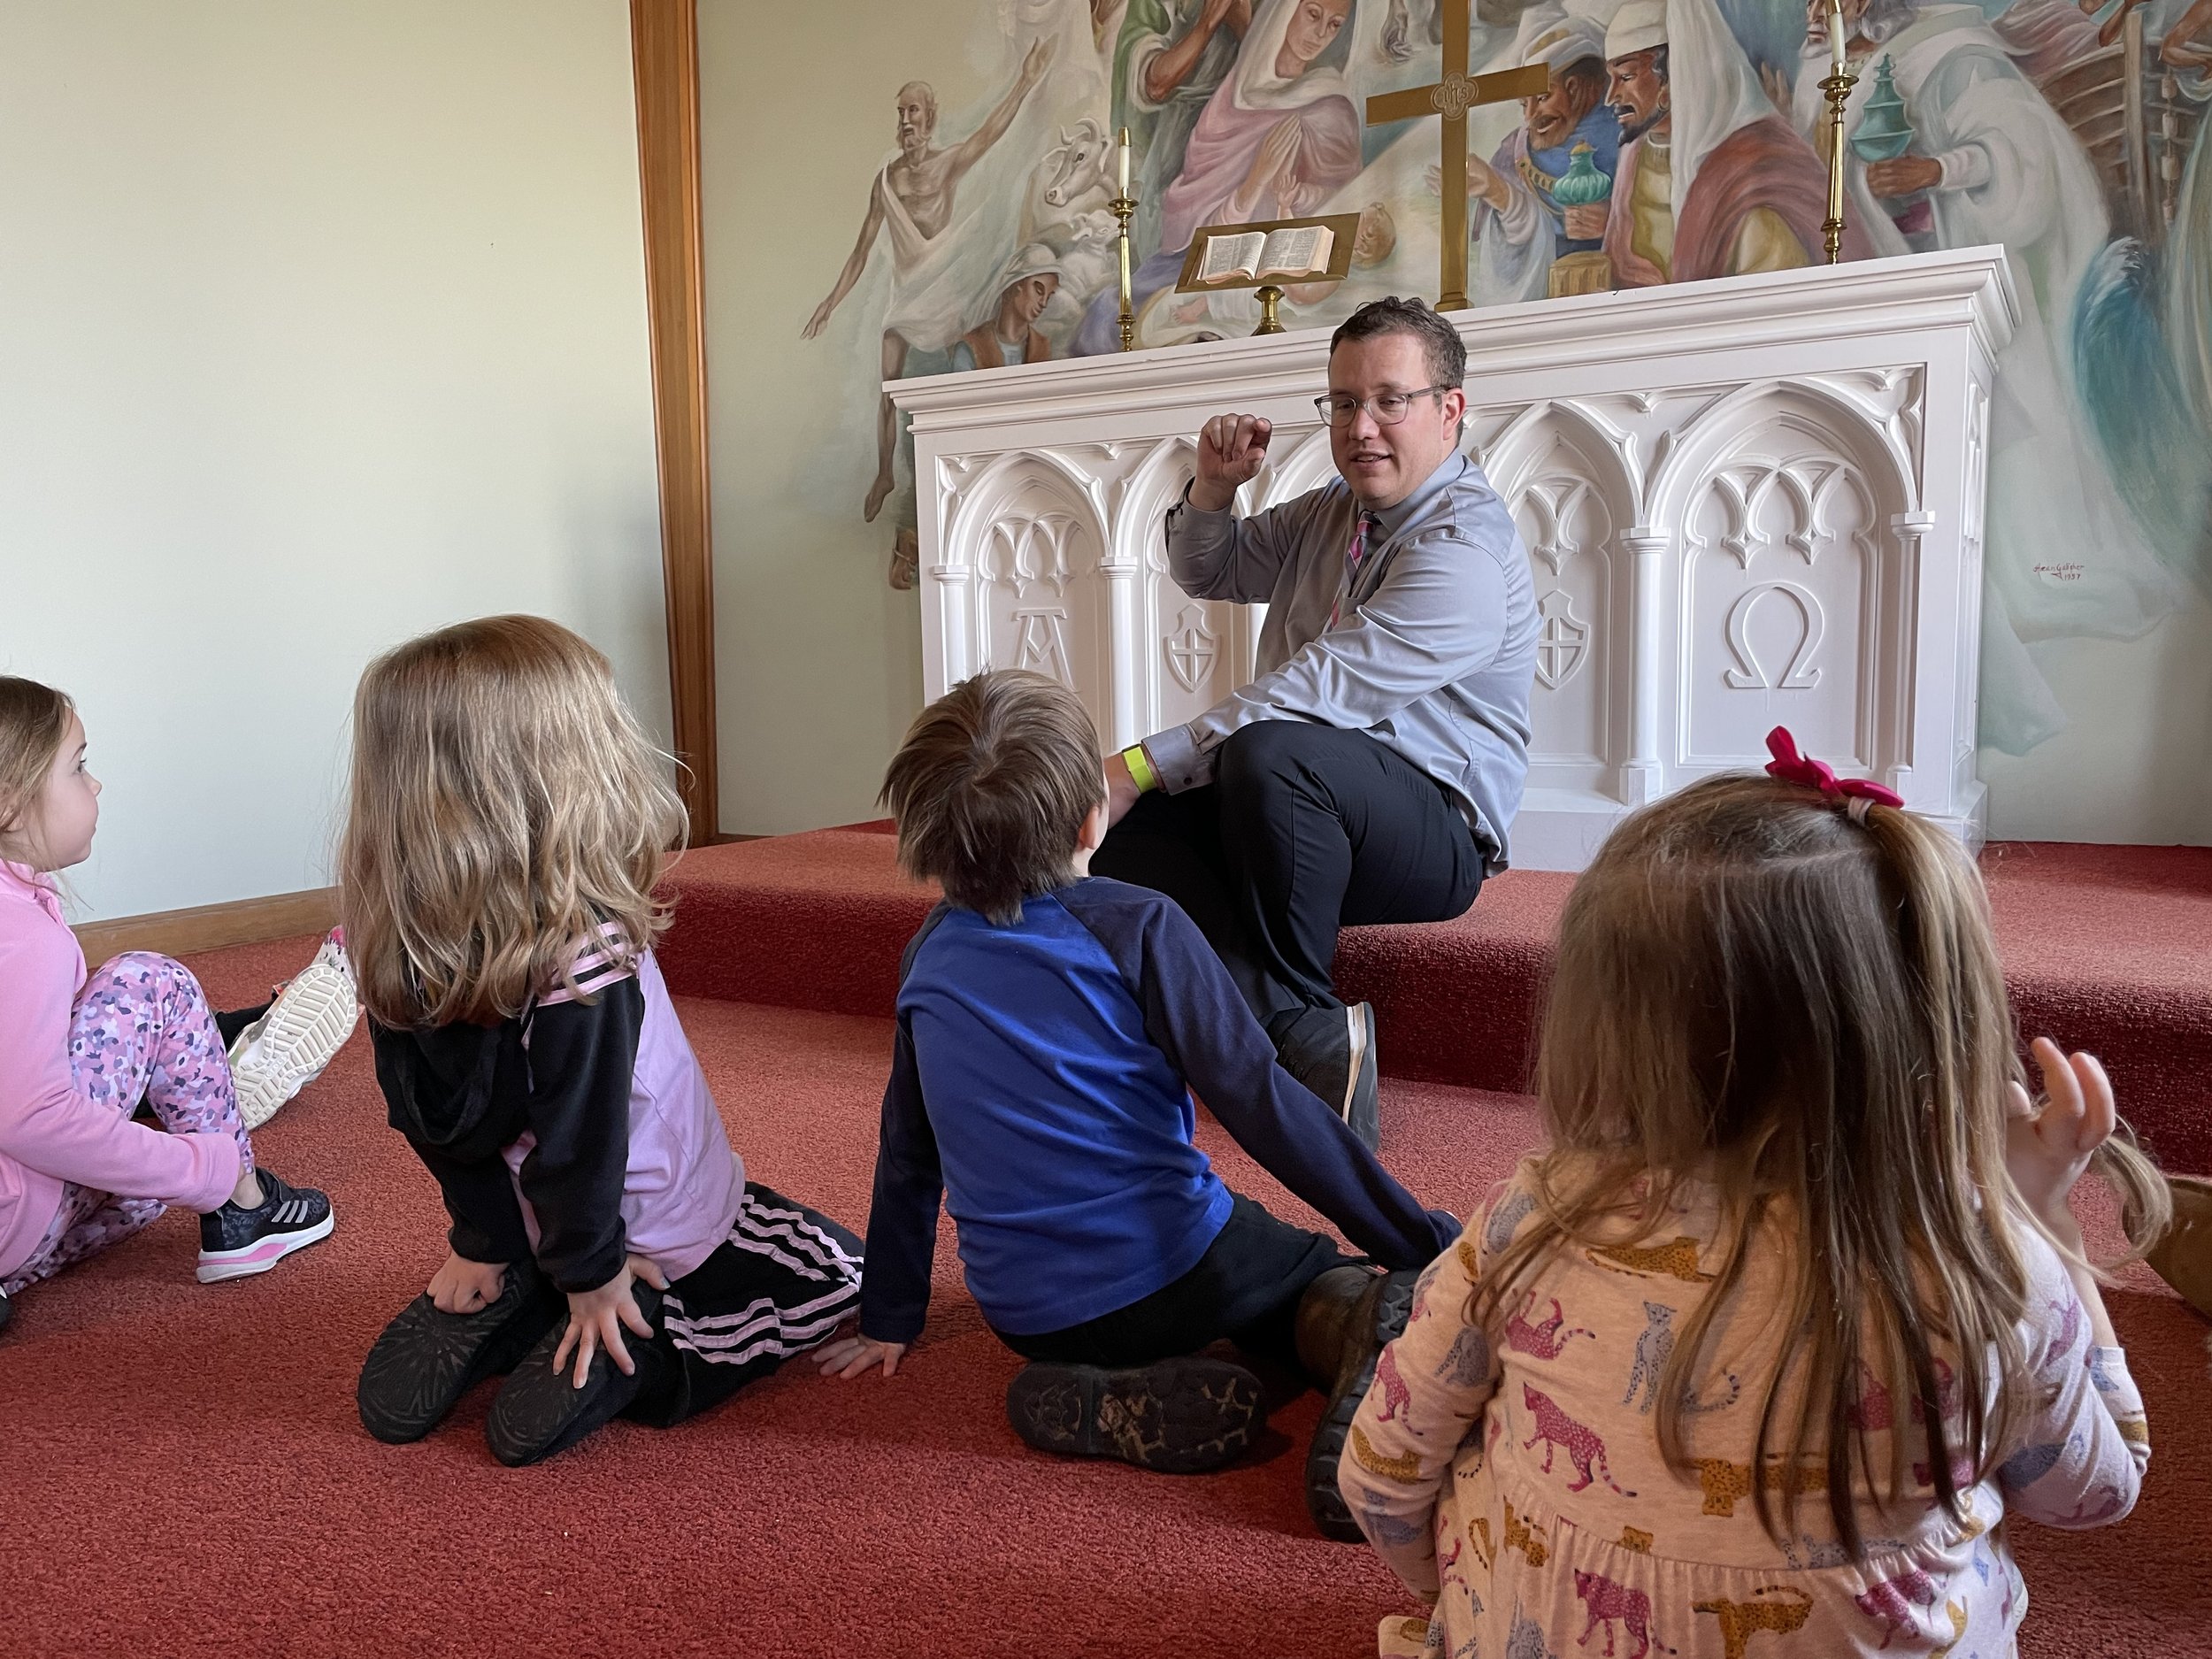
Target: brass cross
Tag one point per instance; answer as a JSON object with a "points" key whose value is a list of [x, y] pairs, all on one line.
{"points": [[1452, 97]]}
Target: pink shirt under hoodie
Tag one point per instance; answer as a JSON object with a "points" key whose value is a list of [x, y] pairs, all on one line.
{"points": [[50, 1131]]}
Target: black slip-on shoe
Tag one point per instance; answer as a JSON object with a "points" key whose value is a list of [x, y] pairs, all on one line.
{"points": [[1380, 1315], [236, 1242], [1175, 1416], [6, 1313], [541, 1411], [425, 1360], [1332, 1051]]}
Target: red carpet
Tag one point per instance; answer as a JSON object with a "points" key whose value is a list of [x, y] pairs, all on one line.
{"points": [[185, 1473], [2105, 948]]}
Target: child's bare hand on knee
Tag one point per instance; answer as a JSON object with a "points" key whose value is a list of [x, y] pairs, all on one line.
{"points": [[855, 1355], [597, 1318], [465, 1286], [2051, 1142]]}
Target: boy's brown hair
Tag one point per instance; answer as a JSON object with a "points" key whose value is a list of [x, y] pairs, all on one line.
{"points": [[991, 788]]}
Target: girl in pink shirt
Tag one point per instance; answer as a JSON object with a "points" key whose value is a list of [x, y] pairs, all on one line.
{"points": [[508, 824], [79, 1052], [1791, 1320]]}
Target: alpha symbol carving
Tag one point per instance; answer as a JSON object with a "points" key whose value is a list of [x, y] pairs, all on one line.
{"points": [[1564, 641], [1191, 649], [1042, 642], [1748, 675]]}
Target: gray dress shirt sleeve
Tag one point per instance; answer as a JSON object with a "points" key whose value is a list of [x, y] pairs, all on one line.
{"points": [[1219, 556], [1439, 614]]}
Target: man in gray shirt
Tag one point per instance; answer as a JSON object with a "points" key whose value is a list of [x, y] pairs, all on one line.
{"points": [[1372, 771]]}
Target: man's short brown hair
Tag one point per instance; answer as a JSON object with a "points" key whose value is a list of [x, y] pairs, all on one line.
{"points": [[991, 788], [1441, 343]]}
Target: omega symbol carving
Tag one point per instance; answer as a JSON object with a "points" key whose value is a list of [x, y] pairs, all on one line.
{"points": [[1749, 674]]}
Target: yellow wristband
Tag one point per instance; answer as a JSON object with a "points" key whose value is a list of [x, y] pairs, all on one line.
{"points": [[1140, 772]]}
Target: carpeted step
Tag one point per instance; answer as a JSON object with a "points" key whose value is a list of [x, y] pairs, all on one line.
{"points": [[2107, 948]]}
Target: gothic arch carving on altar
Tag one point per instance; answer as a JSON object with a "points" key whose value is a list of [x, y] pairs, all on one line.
{"points": [[1040, 543], [1564, 473], [1746, 503]]}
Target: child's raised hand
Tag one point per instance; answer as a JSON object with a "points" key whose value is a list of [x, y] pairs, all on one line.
{"points": [[2050, 1145], [595, 1318], [856, 1354], [463, 1287]]}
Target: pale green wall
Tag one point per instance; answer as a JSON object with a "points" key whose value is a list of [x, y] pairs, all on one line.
{"points": [[323, 325]]}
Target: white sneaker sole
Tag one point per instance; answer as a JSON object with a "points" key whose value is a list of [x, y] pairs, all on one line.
{"points": [[292, 1043], [262, 1254], [1355, 1016]]}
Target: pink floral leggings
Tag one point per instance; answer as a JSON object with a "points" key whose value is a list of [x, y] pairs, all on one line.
{"points": [[142, 1030]]}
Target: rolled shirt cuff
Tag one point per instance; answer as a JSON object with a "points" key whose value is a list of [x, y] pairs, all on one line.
{"points": [[1177, 759]]}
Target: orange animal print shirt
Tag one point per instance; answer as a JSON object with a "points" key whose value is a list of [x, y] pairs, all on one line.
{"points": [[1511, 1476]]}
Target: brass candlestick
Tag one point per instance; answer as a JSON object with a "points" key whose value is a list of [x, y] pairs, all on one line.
{"points": [[1122, 207], [1836, 88], [1269, 324]]}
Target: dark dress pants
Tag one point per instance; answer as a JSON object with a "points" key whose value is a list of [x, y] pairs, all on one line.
{"points": [[1305, 829]]}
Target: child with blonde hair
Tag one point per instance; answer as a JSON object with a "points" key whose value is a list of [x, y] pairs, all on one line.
{"points": [[509, 822], [1792, 1313], [79, 1052]]}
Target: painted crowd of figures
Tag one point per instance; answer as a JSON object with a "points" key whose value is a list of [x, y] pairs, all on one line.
{"points": [[1677, 140]]}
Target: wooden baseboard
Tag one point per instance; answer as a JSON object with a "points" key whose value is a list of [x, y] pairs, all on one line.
{"points": [[211, 926]]}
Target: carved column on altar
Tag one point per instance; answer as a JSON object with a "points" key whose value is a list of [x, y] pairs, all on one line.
{"points": [[1746, 503]]}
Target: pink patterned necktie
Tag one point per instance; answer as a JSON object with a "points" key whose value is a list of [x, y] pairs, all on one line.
{"points": [[1353, 555]]}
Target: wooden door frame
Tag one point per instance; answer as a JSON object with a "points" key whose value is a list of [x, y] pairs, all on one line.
{"points": [[664, 54]]}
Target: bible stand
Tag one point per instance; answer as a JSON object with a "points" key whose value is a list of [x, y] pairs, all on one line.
{"points": [[1344, 228]]}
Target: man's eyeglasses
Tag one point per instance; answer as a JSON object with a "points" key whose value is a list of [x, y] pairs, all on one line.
{"points": [[1388, 407]]}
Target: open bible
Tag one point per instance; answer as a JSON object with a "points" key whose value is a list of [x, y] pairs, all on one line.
{"points": [[1297, 251]]}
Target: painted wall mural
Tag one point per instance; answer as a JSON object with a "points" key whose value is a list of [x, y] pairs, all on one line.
{"points": [[1677, 140]]}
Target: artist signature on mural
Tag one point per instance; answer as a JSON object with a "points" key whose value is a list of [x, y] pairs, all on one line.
{"points": [[2071, 571]]}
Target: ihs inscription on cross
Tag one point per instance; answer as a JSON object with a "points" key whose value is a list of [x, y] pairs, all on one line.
{"points": [[1452, 97]]}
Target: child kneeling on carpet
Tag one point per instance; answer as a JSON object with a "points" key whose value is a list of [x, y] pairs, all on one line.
{"points": [[508, 821], [1793, 1313], [80, 1053], [1051, 1029]]}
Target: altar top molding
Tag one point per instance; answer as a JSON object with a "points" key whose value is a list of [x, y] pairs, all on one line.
{"points": [[1747, 502]]}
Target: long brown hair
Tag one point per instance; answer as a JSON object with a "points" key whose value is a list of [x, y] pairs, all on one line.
{"points": [[1757, 988], [505, 807], [33, 719]]}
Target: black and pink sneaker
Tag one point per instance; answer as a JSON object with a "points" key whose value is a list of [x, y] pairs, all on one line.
{"points": [[236, 1242]]}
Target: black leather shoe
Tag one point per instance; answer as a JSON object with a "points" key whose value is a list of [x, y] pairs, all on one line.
{"points": [[1332, 1051], [1384, 1305], [425, 1360], [1175, 1416], [541, 1411]]}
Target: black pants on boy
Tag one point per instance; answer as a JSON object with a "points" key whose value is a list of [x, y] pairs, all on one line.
{"points": [[1246, 1288], [1306, 829]]}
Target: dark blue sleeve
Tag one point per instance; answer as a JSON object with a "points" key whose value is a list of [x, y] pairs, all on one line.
{"points": [[910, 1184], [1196, 1016]]}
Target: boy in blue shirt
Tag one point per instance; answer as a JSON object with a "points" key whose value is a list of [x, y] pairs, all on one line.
{"points": [[1052, 1028]]}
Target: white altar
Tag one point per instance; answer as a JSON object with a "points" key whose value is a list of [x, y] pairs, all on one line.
{"points": [[1747, 502]]}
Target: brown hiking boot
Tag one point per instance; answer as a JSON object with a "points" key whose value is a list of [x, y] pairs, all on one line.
{"points": [[1355, 1312], [2182, 1256]]}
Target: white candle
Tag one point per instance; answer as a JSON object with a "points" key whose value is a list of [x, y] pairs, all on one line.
{"points": [[1124, 162], [1835, 35]]}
